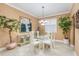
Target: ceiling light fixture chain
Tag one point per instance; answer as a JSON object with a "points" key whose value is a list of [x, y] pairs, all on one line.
{"points": [[43, 21], [43, 11]]}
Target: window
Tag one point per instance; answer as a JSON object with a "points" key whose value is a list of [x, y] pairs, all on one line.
{"points": [[51, 25], [25, 25]]}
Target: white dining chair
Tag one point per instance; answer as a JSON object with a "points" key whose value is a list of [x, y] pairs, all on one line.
{"points": [[34, 41], [50, 40]]}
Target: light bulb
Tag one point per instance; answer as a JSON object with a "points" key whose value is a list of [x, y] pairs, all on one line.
{"points": [[41, 21], [42, 24]]}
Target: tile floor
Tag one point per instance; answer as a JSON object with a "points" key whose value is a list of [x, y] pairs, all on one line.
{"points": [[27, 50]]}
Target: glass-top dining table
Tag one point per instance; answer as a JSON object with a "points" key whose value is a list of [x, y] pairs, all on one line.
{"points": [[44, 42]]}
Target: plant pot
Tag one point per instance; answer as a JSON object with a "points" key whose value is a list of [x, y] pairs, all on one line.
{"points": [[66, 41], [11, 45]]}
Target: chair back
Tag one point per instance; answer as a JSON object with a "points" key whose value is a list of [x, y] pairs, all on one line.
{"points": [[34, 35]]}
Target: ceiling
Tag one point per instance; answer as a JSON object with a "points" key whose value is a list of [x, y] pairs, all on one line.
{"points": [[51, 9]]}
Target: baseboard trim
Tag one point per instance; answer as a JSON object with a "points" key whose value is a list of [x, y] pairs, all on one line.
{"points": [[1, 49], [62, 41], [59, 41]]}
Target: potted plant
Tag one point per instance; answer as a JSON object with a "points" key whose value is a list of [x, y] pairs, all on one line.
{"points": [[11, 25], [65, 25]]}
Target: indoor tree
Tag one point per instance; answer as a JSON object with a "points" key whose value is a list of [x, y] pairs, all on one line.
{"points": [[11, 24], [65, 25]]}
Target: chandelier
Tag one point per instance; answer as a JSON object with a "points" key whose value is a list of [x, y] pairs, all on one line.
{"points": [[43, 21]]}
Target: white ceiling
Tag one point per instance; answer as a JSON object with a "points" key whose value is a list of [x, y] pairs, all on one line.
{"points": [[51, 9]]}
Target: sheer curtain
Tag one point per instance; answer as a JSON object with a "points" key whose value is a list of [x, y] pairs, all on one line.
{"points": [[51, 25]]}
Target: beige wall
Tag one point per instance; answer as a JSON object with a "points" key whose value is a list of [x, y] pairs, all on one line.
{"points": [[10, 12], [74, 9]]}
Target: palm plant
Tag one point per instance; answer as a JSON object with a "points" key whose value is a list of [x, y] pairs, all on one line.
{"points": [[11, 24], [65, 24]]}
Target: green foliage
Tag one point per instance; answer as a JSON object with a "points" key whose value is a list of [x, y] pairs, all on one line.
{"points": [[65, 24], [11, 24], [2, 21]]}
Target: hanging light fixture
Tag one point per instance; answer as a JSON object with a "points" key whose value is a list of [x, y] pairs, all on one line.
{"points": [[43, 21]]}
